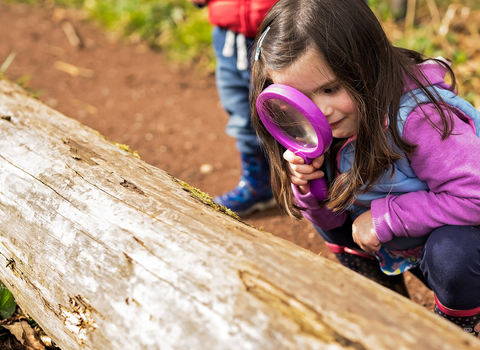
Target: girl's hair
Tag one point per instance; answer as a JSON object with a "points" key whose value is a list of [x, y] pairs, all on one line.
{"points": [[372, 71]]}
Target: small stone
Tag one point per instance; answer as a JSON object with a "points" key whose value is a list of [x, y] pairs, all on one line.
{"points": [[206, 168]]}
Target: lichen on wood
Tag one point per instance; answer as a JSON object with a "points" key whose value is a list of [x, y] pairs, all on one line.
{"points": [[122, 146]]}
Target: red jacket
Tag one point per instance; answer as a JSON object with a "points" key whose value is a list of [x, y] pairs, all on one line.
{"points": [[240, 16]]}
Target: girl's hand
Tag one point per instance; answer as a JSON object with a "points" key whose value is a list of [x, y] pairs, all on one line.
{"points": [[301, 173], [364, 233]]}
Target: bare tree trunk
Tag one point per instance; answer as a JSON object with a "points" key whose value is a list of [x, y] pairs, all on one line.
{"points": [[107, 252]]}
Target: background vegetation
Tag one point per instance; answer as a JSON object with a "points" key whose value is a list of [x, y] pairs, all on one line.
{"points": [[448, 28], [175, 26]]}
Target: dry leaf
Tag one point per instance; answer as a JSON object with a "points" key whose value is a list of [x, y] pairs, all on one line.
{"points": [[24, 334], [12, 319]]}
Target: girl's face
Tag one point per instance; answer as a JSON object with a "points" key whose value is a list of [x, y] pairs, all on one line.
{"points": [[313, 76]]}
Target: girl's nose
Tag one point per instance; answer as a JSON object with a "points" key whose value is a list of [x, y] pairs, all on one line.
{"points": [[325, 108]]}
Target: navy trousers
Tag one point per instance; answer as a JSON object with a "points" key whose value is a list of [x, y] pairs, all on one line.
{"points": [[450, 262]]}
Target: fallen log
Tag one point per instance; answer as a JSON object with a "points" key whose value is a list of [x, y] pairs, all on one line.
{"points": [[107, 252]]}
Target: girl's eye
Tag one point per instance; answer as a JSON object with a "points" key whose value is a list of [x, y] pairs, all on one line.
{"points": [[331, 90]]}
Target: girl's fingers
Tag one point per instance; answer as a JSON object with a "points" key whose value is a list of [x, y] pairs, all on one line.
{"points": [[304, 171], [318, 162], [302, 179], [301, 168], [292, 158], [296, 181], [301, 173], [310, 176]]}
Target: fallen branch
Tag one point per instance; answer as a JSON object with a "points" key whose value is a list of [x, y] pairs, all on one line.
{"points": [[105, 252]]}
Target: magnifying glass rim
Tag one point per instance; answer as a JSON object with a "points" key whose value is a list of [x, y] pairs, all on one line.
{"points": [[307, 108]]}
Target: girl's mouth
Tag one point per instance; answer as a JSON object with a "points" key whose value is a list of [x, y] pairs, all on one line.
{"points": [[334, 125]]}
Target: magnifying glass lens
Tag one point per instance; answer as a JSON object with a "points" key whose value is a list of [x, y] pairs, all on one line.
{"points": [[291, 122]]}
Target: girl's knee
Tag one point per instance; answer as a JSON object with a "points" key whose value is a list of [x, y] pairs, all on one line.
{"points": [[451, 264], [453, 248]]}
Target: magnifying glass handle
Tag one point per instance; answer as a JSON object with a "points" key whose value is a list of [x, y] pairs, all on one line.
{"points": [[319, 189]]}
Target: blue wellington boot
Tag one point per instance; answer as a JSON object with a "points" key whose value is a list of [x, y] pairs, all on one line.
{"points": [[253, 192]]}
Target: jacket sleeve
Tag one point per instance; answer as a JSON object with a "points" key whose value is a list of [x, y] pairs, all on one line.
{"points": [[451, 169], [321, 217]]}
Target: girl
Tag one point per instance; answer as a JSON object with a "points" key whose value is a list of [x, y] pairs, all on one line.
{"points": [[404, 167]]}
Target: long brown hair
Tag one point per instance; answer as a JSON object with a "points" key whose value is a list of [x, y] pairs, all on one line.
{"points": [[373, 72]]}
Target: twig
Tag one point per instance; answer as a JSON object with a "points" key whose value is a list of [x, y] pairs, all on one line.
{"points": [[447, 19], [433, 9], [74, 71], [72, 35], [438, 26], [410, 16], [7, 62]]}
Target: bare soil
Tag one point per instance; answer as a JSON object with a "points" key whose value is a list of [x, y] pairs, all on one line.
{"points": [[134, 96]]}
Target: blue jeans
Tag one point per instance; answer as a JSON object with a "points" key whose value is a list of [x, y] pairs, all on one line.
{"points": [[234, 88], [450, 262]]}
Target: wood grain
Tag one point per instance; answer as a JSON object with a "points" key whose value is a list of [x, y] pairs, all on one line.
{"points": [[107, 252]]}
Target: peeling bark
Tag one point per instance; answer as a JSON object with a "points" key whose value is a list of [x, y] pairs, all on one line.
{"points": [[107, 252]]}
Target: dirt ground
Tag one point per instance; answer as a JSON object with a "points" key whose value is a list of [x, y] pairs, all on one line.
{"points": [[134, 96]]}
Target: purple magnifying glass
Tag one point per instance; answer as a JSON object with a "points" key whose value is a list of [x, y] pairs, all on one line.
{"points": [[297, 124]]}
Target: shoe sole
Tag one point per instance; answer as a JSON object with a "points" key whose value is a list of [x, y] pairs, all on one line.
{"points": [[258, 207]]}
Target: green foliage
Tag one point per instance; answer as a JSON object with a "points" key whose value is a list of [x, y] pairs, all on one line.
{"points": [[381, 8], [189, 38], [32, 322], [24, 83], [175, 26], [69, 3], [7, 302], [459, 57], [446, 28]]}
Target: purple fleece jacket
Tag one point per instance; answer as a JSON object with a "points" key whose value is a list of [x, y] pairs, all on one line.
{"points": [[450, 167]]}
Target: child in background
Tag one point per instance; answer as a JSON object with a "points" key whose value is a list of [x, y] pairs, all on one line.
{"points": [[235, 25], [404, 167]]}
